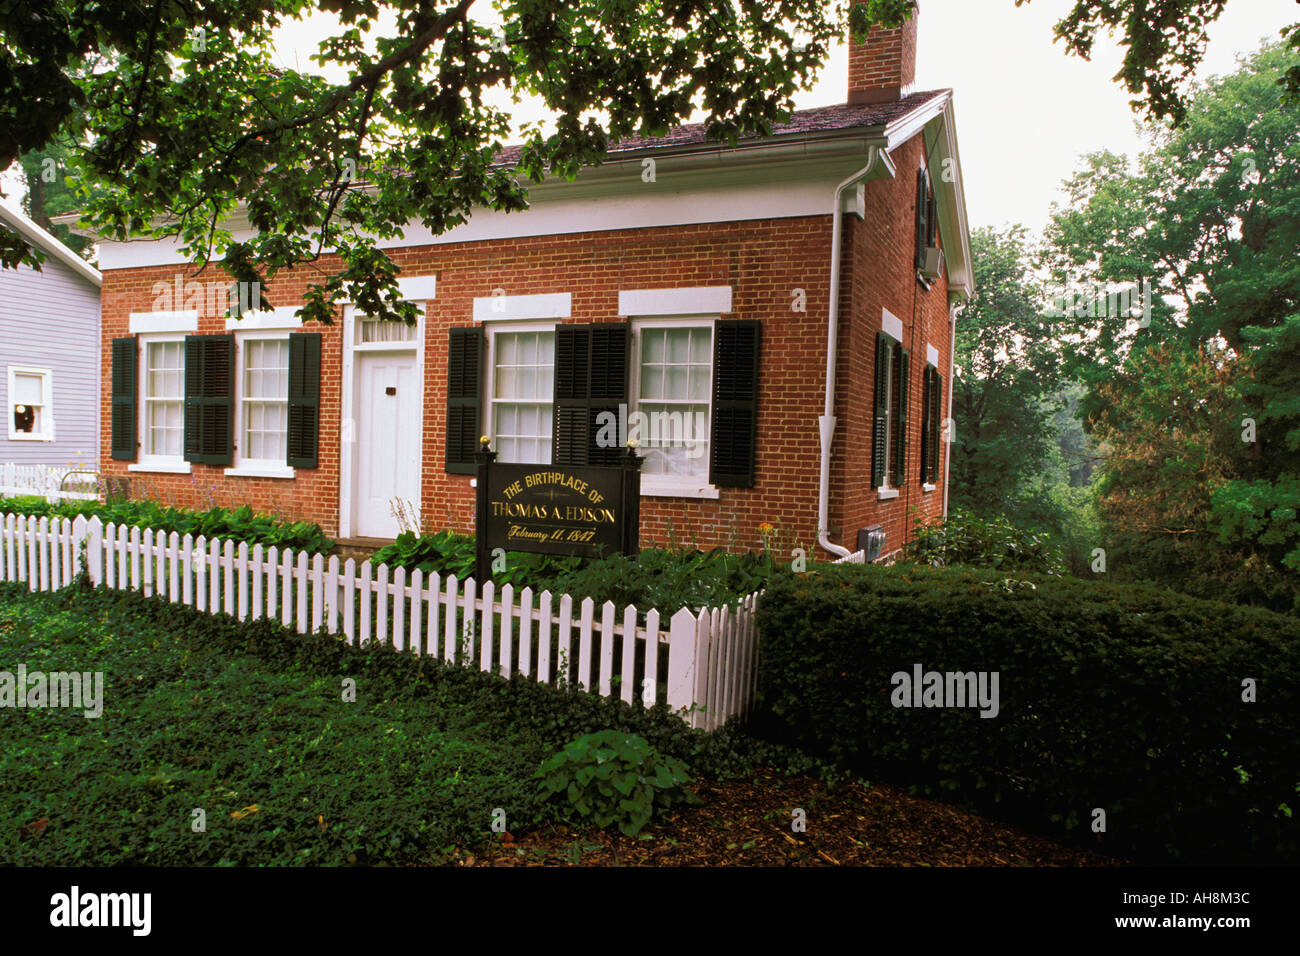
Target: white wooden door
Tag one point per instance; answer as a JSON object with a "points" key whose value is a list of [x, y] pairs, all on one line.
{"points": [[388, 441]]}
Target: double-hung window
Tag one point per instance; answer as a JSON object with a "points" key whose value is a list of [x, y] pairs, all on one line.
{"points": [[264, 402], [889, 422], [31, 415], [521, 395], [674, 388], [162, 434]]}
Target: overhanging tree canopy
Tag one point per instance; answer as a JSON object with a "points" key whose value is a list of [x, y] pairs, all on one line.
{"points": [[182, 116]]}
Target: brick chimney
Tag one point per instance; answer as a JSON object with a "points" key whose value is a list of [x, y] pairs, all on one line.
{"points": [[883, 69]]}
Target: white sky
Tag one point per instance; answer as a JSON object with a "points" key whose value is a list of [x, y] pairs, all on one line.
{"points": [[1025, 109]]}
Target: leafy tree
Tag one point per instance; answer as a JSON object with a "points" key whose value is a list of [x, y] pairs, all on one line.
{"points": [[187, 119], [1006, 372], [49, 192], [1211, 215], [1164, 42]]}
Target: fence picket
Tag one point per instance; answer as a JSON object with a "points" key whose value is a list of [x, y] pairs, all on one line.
{"points": [[398, 590], [650, 682], [627, 684], [544, 638], [504, 655], [300, 584], [435, 618], [488, 604], [366, 594], [332, 595], [584, 643], [449, 632], [606, 647], [286, 587], [317, 591], [381, 605], [525, 655], [564, 641], [349, 600], [414, 641]]}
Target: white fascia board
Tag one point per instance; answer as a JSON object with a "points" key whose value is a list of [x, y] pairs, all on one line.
{"points": [[281, 317], [950, 195], [891, 325], [186, 321], [702, 300], [418, 288], [38, 237], [494, 308]]}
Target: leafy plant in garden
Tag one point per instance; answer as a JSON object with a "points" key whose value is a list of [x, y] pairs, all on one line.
{"points": [[237, 524], [612, 777], [964, 538]]}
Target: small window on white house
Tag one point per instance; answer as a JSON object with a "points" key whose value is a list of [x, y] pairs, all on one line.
{"points": [[164, 399], [265, 399], [30, 399], [523, 387], [673, 397]]}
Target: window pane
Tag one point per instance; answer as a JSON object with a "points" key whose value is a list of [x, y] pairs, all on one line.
{"points": [[27, 389], [523, 383], [266, 378]]}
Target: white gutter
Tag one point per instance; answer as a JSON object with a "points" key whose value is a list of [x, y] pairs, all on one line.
{"points": [[826, 423], [952, 386]]}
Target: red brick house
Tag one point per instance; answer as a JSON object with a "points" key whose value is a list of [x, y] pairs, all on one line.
{"points": [[794, 296]]}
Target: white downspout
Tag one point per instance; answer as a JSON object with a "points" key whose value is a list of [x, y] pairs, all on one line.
{"points": [[952, 385], [826, 423]]}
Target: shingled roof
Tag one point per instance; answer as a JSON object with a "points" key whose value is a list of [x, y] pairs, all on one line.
{"points": [[822, 119]]}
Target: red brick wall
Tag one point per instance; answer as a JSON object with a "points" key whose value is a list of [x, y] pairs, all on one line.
{"points": [[763, 261], [881, 274]]}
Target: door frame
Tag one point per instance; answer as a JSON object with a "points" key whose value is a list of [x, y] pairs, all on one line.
{"points": [[347, 417]]}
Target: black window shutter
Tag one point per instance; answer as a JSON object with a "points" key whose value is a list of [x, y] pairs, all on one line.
{"points": [[122, 445], [209, 398], [608, 388], [922, 215], [304, 399], [571, 436], [931, 216], [927, 415], [195, 351], [464, 398], [879, 431], [936, 412], [900, 445], [733, 441], [590, 379]]}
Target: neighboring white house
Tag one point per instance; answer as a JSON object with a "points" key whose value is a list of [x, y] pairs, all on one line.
{"points": [[49, 354]]}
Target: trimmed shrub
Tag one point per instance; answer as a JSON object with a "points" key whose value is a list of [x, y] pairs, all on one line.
{"points": [[237, 524], [1124, 698]]}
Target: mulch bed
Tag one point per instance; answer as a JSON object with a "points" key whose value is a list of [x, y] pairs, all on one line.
{"points": [[748, 823]]}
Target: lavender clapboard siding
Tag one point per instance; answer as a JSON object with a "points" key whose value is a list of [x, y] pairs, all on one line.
{"points": [[50, 319]]}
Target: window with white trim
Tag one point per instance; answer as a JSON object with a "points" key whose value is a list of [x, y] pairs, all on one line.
{"points": [[673, 397], [264, 401], [31, 415], [164, 398], [521, 398]]}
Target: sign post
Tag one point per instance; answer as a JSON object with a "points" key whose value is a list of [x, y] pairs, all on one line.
{"points": [[587, 511]]}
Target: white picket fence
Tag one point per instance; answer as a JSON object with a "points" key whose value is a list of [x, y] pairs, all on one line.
{"points": [[43, 481], [706, 672]]}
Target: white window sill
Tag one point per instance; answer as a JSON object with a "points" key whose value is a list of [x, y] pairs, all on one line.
{"points": [[927, 488], [658, 489], [885, 494], [260, 471], [162, 467], [22, 436]]}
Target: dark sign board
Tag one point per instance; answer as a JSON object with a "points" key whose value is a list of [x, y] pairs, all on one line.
{"points": [[586, 511]]}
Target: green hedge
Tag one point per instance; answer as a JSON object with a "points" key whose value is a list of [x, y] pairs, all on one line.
{"points": [[1125, 698], [238, 524]]}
